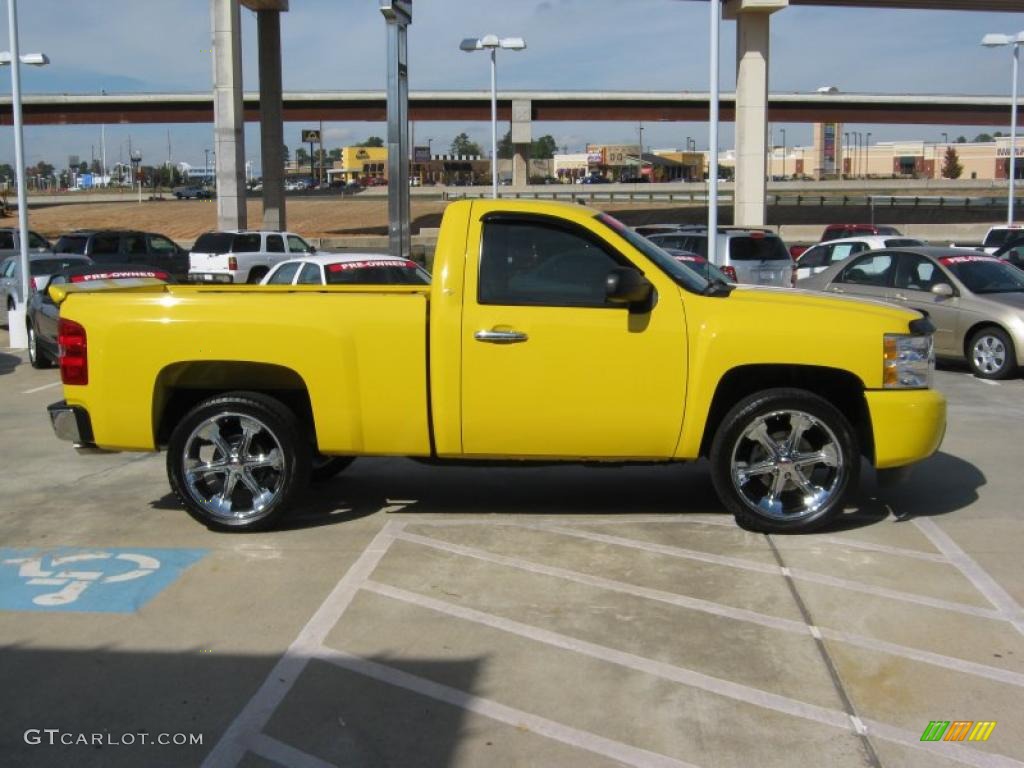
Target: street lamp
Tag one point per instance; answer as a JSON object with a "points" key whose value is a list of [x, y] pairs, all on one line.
{"points": [[867, 156], [783, 152], [492, 43], [18, 338], [136, 159], [998, 41]]}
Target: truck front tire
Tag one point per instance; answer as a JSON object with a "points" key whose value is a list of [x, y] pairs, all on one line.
{"points": [[235, 461], [782, 460]]}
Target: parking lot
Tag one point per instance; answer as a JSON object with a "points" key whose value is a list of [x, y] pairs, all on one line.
{"points": [[412, 615]]}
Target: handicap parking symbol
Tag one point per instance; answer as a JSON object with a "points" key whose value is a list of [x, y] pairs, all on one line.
{"points": [[108, 580]]}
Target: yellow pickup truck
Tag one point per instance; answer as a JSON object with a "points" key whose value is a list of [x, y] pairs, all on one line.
{"points": [[551, 332]]}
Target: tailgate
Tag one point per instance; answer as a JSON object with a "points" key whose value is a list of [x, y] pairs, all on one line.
{"points": [[131, 285]]}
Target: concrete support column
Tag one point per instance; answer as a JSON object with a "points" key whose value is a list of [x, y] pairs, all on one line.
{"points": [[268, 25], [522, 141], [228, 113], [752, 59]]}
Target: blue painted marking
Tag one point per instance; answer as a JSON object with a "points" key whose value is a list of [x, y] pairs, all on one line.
{"points": [[103, 580]]}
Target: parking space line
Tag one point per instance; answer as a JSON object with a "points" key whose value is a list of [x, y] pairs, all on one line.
{"points": [[660, 669], [250, 722], [849, 722], [725, 611], [683, 601], [796, 573], [517, 718], [993, 592], [933, 557], [40, 389], [284, 754]]}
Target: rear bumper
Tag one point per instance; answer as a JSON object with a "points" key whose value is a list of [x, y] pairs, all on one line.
{"points": [[907, 425], [211, 277], [71, 423]]}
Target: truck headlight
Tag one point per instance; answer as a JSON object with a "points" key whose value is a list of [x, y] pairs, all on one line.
{"points": [[909, 361]]}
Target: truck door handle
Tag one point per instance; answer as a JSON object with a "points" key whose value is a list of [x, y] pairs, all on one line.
{"points": [[900, 297], [501, 337]]}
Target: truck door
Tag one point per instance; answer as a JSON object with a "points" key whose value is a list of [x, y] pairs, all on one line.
{"points": [[550, 368]]}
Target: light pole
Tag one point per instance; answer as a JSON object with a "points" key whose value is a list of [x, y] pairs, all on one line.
{"points": [[640, 155], [16, 324], [998, 41], [783, 153], [714, 34], [492, 43], [867, 156], [206, 168], [136, 159]]}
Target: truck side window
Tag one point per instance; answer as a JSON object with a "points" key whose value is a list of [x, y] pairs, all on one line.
{"points": [[532, 262], [275, 244]]}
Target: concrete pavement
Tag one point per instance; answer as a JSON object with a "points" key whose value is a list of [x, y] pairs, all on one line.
{"points": [[443, 616]]}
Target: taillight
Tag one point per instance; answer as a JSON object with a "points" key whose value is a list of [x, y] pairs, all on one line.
{"points": [[35, 283], [232, 263], [730, 272], [74, 355]]}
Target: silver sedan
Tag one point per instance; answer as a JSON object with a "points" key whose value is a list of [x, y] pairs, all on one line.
{"points": [[975, 301]]}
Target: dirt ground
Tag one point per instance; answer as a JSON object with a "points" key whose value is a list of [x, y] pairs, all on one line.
{"points": [[185, 220]]}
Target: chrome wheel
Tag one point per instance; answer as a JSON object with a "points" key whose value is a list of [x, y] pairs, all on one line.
{"points": [[234, 467], [787, 465], [33, 353], [988, 354]]}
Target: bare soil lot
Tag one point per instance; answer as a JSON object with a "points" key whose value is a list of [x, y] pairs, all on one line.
{"points": [[185, 220]]}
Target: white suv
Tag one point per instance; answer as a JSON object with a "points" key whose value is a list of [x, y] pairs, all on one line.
{"points": [[241, 256], [746, 255]]}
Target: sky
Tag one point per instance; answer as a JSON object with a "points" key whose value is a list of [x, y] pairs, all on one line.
{"points": [[656, 45]]}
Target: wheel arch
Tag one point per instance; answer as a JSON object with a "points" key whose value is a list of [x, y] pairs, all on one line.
{"points": [[181, 386], [845, 390]]}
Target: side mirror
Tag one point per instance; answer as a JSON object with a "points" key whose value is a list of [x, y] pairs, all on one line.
{"points": [[628, 286], [312, 249], [942, 290]]}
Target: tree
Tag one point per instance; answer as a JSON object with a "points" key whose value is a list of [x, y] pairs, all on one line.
{"points": [[540, 149], [961, 139], [286, 154], [951, 167], [83, 167], [505, 146], [301, 157], [461, 145], [544, 148], [982, 138], [373, 141], [335, 154]]}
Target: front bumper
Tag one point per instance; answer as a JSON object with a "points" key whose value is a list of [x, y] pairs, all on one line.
{"points": [[907, 425], [71, 423]]}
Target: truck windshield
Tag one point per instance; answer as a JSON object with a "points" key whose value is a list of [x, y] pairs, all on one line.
{"points": [[681, 275]]}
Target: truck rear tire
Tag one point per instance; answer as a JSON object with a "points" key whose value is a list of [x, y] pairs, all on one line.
{"points": [[236, 461], [782, 460]]}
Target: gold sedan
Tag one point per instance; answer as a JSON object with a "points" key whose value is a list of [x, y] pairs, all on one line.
{"points": [[975, 301]]}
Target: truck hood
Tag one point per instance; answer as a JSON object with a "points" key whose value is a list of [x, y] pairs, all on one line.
{"points": [[801, 302]]}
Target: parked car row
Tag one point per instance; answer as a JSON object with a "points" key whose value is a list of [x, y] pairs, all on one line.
{"points": [[744, 255]]}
